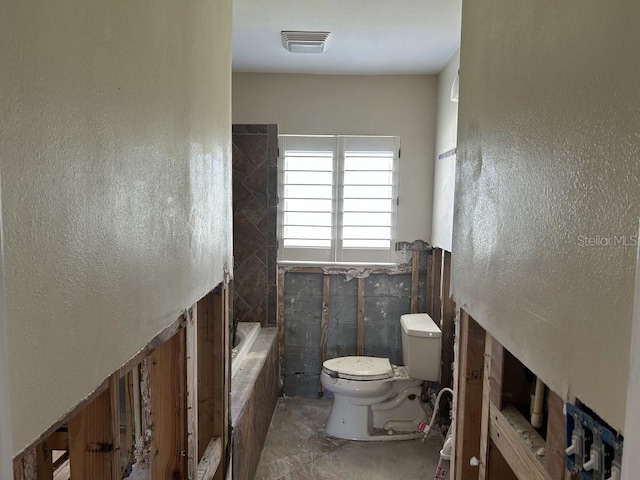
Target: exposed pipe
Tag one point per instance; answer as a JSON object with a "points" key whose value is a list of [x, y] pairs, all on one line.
{"points": [[436, 407], [442, 471], [538, 398]]}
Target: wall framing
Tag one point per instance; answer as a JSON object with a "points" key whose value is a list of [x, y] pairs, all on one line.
{"points": [[177, 409], [490, 430]]}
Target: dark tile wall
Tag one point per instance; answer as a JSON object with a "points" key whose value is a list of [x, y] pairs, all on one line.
{"points": [[387, 297], [255, 203]]}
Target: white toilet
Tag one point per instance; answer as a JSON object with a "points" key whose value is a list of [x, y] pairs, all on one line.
{"points": [[374, 400]]}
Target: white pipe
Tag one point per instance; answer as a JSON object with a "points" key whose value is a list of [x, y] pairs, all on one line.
{"points": [[536, 416], [436, 407], [442, 471]]}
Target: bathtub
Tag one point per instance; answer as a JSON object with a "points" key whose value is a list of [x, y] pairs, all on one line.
{"points": [[254, 393], [246, 335]]}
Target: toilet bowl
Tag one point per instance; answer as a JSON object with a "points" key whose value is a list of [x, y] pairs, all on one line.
{"points": [[374, 400]]}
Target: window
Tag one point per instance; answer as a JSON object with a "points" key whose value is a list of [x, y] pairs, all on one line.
{"points": [[338, 198]]}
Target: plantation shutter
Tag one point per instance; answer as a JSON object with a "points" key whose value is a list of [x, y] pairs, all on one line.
{"points": [[338, 197]]}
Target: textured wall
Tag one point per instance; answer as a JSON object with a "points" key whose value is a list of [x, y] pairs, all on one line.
{"points": [[547, 160], [444, 177], [403, 105], [116, 177]]}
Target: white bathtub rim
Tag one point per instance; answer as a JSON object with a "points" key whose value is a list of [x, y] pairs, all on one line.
{"points": [[248, 333]]}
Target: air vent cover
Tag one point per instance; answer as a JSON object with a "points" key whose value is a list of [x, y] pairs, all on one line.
{"points": [[305, 42]]}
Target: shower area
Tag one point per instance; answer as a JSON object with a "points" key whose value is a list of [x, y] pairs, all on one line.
{"points": [[254, 365]]}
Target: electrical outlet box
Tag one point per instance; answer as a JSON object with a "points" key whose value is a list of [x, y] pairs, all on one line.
{"points": [[594, 449]]}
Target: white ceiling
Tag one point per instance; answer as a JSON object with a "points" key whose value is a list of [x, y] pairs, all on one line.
{"points": [[367, 36]]}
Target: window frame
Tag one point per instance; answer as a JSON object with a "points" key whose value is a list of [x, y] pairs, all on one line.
{"points": [[335, 255]]}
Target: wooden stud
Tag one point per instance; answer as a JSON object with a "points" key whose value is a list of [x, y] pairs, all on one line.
{"points": [[360, 335], [167, 378], [555, 459], [469, 403], [192, 391], [281, 324], [143, 453], [143, 353], [59, 440], [517, 453], [324, 325], [18, 471], [225, 384], [26, 467], [137, 403], [91, 442], [436, 273], [44, 461], [206, 327], [210, 462], [495, 375], [131, 434], [448, 314], [415, 280], [498, 466], [484, 423], [213, 373], [428, 297], [114, 406]]}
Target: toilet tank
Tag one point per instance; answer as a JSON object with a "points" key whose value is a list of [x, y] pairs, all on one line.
{"points": [[421, 346]]}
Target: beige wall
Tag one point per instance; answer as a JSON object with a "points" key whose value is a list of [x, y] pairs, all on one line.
{"points": [[355, 105], [548, 152], [115, 153], [445, 168]]}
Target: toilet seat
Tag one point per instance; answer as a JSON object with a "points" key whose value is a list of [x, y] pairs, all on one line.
{"points": [[359, 368]]}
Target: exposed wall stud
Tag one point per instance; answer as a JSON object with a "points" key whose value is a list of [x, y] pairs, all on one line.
{"points": [[513, 448], [415, 279], [448, 313], [91, 442], [44, 460], [213, 373], [324, 325], [210, 462], [281, 321], [555, 459], [192, 391], [429, 293], [484, 423], [360, 334], [436, 274], [114, 410], [469, 404], [168, 405]]}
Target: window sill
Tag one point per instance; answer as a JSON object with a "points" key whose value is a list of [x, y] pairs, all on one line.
{"points": [[350, 270], [346, 265]]}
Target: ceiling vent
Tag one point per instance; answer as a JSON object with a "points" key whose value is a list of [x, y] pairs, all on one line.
{"points": [[305, 42]]}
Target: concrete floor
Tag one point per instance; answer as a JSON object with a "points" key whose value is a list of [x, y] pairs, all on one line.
{"points": [[297, 449]]}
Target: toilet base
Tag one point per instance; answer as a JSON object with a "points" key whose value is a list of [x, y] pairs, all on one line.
{"points": [[394, 417]]}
